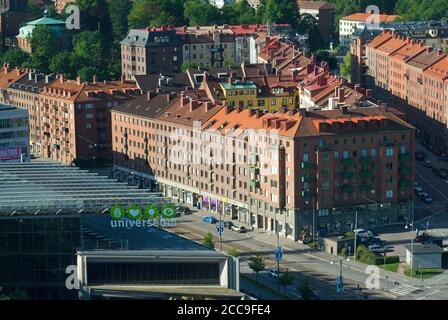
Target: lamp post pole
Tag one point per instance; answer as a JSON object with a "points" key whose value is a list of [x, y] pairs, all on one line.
{"points": [[356, 234], [314, 229]]}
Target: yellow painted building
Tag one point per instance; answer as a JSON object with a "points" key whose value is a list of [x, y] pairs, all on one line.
{"points": [[249, 95]]}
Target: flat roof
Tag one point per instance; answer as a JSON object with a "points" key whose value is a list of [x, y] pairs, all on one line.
{"points": [[51, 187], [150, 239], [424, 249]]}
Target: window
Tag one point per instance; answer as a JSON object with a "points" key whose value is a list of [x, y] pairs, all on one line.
{"points": [[305, 157], [389, 194], [336, 154], [373, 152], [89, 116], [402, 149], [345, 154], [389, 152]]}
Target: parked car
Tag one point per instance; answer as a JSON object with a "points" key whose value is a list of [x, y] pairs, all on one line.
{"points": [[441, 172], [156, 195], [228, 224], [181, 211], [363, 233], [428, 163], [376, 248], [444, 157], [420, 156], [210, 219], [274, 273], [239, 229], [375, 241], [419, 192], [427, 199], [423, 195], [423, 238]]}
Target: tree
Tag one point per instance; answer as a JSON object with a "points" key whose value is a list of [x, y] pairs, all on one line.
{"points": [[187, 65], [95, 16], [90, 51], [155, 13], [119, 11], [346, 66], [15, 57], [240, 12], [278, 11], [234, 252], [65, 63], [309, 25], [208, 241], [201, 13], [44, 45], [285, 280], [304, 289], [325, 55], [257, 265]]}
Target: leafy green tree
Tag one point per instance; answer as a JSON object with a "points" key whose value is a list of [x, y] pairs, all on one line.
{"points": [[44, 45], [285, 280], [119, 11], [208, 241], [308, 24], [422, 9], [304, 289], [201, 13], [240, 12], [95, 16], [155, 13], [64, 62], [278, 11], [90, 51], [234, 252], [346, 65], [15, 57], [257, 265], [325, 55], [187, 65]]}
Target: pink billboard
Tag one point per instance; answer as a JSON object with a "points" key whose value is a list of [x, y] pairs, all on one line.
{"points": [[10, 154]]}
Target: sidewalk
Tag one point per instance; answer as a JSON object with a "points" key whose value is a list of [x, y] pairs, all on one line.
{"points": [[269, 237]]}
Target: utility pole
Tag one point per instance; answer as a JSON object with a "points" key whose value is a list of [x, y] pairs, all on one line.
{"points": [[314, 229], [220, 225], [278, 246]]}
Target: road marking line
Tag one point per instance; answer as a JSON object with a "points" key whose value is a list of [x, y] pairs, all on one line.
{"points": [[428, 295], [434, 187]]}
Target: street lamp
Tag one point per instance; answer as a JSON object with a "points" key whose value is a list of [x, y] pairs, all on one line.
{"points": [[313, 227], [411, 225]]}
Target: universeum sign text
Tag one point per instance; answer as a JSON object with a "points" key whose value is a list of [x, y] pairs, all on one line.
{"points": [[149, 216]]}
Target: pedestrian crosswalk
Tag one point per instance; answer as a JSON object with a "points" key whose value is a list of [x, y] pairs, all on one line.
{"points": [[403, 289]]}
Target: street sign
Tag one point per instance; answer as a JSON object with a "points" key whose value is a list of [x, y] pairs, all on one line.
{"points": [[219, 228], [339, 284], [278, 254]]}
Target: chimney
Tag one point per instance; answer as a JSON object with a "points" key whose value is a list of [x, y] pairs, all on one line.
{"points": [[208, 106], [341, 94], [344, 109], [183, 101], [30, 76], [368, 92], [228, 108], [78, 81], [357, 87], [258, 113], [94, 79], [294, 75], [122, 78], [193, 104], [150, 95], [17, 72], [61, 78]]}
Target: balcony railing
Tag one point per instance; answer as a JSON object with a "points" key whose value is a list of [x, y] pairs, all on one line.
{"points": [[254, 183], [365, 187], [347, 188], [365, 173], [307, 165], [365, 160], [254, 170], [308, 178], [347, 161], [307, 193], [405, 170], [405, 156], [404, 184], [347, 175]]}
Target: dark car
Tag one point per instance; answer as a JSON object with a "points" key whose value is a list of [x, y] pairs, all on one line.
{"points": [[181, 211], [420, 156], [444, 157], [441, 172], [228, 224], [423, 238]]}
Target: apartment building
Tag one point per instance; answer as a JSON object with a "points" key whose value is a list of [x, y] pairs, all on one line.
{"points": [[7, 77], [60, 5], [349, 24], [398, 72], [24, 93], [324, 13], [14, 134], [165, 49], [75, 118], [267, 169]]}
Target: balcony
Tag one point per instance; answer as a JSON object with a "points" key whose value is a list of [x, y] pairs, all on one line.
{"points": [[307, 193], [405, 156], [405, 170], [347, 161], [254, 170], [404, 184], [307, 165], [254, 184], [347, 188], [347, 175], [365, 173], [308, 178], [365, 187]]}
